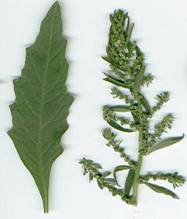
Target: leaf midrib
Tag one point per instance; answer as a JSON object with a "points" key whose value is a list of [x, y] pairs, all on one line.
{"points": [[43, 97]]}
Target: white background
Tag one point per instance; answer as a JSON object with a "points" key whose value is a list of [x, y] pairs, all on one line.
{"points": [[161, 30]]}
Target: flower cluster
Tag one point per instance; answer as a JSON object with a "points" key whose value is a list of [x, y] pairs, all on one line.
{"points": [[128, 75], [173, 178]]}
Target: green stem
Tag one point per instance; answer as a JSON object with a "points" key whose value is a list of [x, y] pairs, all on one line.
{"points": [[140, 156], [45, 205], [136, 179]]}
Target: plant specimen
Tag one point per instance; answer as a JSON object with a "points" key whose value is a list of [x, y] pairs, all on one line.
{"points": [[42, 103], [128, 75]]}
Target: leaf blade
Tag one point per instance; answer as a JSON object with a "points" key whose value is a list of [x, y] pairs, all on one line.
{"points": [[160, 189], [165, 143], [145, 104], [114, 81], [42, 102], [129, 182], [119, 127], [120, 108], [117, 169]]}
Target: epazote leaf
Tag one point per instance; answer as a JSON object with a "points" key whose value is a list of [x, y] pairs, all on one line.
{"points": [[106, 173], [145, 104], [120, 108], [165, 143], [129, 182], [42, 102], [110, 181], [119, 168], [161, 189], [114, 81], [118, 127]]}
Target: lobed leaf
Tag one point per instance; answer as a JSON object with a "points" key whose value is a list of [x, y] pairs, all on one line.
{"points": [[42, 102]]}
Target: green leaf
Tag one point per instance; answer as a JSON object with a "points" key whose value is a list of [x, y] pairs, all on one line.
{"points": [[114, 81], [42, 102], [120, 108], [99, 183], [110, 181], [118, 127], [129, 29], [106, 173], [131, 26], [161, 189], [129, 181], [135, 117], [107, 59], [165, 143], [117, 169], [145, 104]]}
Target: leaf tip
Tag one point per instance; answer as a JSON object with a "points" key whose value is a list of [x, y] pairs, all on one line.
{"points": [[56, 4], [55, 8]]}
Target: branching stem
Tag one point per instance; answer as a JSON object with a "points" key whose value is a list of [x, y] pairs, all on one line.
{"points": [[128, 71], [140, 156]]}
